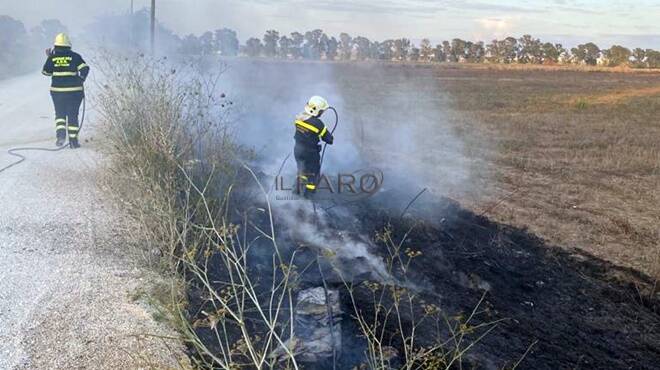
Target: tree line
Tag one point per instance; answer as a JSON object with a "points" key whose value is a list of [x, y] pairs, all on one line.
{"points": [[126, 31], [22, 49], [317, 45]]}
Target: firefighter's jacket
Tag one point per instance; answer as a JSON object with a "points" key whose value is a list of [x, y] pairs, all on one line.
{"points": [[310, 130], [67, 68]]}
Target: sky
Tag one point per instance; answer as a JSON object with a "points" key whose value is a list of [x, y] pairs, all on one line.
{"points": [[631, 23]]}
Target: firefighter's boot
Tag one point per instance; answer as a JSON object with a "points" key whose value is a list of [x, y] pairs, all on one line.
{"points": [[73, 144]]}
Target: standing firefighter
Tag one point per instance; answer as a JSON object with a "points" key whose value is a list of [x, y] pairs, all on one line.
{"points": [[68, 71], [309, 131]]}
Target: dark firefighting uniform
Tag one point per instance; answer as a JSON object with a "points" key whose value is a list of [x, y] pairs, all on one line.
{"points": [[68, 71], [309, 131]]}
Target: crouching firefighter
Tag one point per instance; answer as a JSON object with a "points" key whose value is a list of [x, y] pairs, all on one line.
{"points": [[310, 130], [68, 71]]}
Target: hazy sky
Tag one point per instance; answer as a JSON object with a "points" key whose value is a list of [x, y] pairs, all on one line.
{"points": [[635, 23]]}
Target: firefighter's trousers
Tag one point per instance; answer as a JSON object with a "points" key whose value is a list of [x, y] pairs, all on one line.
{"points": [[67, 107], [308, 159]]}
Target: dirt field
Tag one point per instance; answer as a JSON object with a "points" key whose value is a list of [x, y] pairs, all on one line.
{"points": [[576, 156], [573, 156]]}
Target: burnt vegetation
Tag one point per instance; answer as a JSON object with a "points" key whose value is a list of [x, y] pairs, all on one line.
{"points": [[440, 285]]}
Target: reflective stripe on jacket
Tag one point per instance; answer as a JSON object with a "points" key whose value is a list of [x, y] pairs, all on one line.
{"points": [[67, 69], [310, 130]]}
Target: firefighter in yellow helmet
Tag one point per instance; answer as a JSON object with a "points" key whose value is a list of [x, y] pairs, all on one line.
{"points": [[310, 130], [68, 71]]}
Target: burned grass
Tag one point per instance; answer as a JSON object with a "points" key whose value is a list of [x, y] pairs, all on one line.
{"points": [[565, 304], [500, 293]]}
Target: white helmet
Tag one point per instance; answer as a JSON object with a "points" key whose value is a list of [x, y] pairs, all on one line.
{"points": [[316, 105]]}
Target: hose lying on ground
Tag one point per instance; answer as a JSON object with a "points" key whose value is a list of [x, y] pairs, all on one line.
{"points": [[21, 158]]}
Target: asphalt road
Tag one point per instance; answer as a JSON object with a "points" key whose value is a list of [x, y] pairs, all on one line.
{"points": [[68, 284]]}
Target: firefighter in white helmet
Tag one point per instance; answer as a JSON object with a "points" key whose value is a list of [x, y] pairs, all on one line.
{"points": [[310, 130]]}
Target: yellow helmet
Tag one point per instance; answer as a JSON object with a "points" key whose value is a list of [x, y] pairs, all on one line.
{"points": [[62, 39]]}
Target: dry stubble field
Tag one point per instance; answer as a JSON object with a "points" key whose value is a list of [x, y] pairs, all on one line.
{"points": [[576, 155], [572, 155]]}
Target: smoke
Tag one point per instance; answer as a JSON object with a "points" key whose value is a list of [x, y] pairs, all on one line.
{"points": [[395, 118], [349, 252]]}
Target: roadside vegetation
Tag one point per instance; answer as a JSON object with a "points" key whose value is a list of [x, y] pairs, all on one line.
{"points": [[176, 173]]}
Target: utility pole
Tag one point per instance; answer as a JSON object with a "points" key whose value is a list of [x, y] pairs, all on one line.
{"points": [[130, 25], [153, 27]]}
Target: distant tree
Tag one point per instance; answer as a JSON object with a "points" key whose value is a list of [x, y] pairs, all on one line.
{"points": [[530, 50], [439, 55], [227, 42], [44, 33], [561, 50], [207, 44], [639, 57], [652, 58], [345, 46], [374, 50], [386, 51], [13, 33], [415, 53], [467, 52], [493, 53], [285, 47], [587, 53], [618, 55], [362, 47], [446, 50], [425, 51], [123, 31], [457, 50], [508, 50], [401, 49], [476, 52], [550, 53], [297, 40], [191, 45], [14, 50], [253, 47], [271, 39], [312, 46], [332, 49], [323, 44]]}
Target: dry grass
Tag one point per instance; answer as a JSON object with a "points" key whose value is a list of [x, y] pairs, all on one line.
{"points": [[576, 157], [620, 96], [557, 67]]}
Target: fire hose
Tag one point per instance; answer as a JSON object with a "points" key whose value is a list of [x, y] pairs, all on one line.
{"points": [[21, 158], [332, 132], [325, 145]]}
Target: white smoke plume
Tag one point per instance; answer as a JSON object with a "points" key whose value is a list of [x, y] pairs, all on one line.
{"points": [[349, 252]]}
